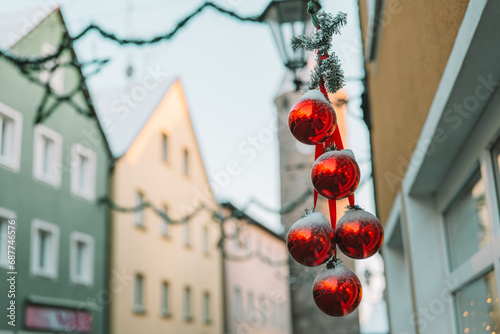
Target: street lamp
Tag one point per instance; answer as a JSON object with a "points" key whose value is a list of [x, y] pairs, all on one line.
{"points": [[288, 18]]}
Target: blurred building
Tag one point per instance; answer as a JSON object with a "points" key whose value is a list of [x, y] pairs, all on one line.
{"points": [[257, 291], [173, 272], [51, 175], [296, 160], [433, 73]]}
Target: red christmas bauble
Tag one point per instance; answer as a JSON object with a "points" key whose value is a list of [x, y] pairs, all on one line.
{"points": [[310, 240], [312, 119], [335, 174], [337, 291], [359, 234]]}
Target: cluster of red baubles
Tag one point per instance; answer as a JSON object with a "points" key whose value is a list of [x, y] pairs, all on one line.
{"points": [[311, 240]]}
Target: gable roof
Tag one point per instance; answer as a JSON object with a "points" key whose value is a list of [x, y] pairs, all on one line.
{"points": [[240, 214], [17, 25], [123, 119]]}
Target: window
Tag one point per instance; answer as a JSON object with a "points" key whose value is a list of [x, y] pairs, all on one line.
{"points": [[165, 226], [4, 223], [47, 156], [44, 249], [205, 240], [139, 294], [165, 300], [11, 124], [56, 77], [477, 306], [263, 309], [250, 308], [466, 222], [82, 258], [496, 164], [164, 147], [206, 308], [139, 213], [238, 304], [187, 234], [186, 162], [83, 172], [187, 304]]}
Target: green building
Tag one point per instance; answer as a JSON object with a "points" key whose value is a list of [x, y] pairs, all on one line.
{"points": [[52, 175]]}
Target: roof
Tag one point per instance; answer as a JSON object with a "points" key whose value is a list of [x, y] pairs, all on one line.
{"points": [[122, 117], [16, 25], [250, 220]]}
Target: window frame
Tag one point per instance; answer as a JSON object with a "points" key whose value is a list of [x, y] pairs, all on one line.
{"points": [[88, 278], [14, 162], [77, 152], [53, 271], [53, 180], [486, 258], [187, 304]]}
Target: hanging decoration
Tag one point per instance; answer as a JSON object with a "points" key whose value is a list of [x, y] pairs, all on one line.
{"points": [[335, 175]]}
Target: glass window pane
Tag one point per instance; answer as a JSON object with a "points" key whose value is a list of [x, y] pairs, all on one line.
{"points": [[187, 303], [467, 223], [477, 306], [138, 291], [7, 136], [164, 147], [186, 162], [496, 162], [43, 251], [48, 155], [165, 299], [83, 173]]}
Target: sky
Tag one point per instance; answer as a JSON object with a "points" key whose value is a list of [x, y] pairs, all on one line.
{"points": [[231, 73]]}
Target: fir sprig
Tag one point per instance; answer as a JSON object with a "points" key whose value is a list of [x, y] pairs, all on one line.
{"points": [[328, 64]]}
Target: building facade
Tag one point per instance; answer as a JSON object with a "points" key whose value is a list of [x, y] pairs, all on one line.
{"points": [[51, 175], [257, 289], [296, 160], [433, 78], [174, 272]]}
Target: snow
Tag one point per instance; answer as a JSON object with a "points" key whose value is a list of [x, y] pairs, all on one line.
{"points": [[358, 215], [315, 219], [340, 272], [348, 152], [314, 94]]}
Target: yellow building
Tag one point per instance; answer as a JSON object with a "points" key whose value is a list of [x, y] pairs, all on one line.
{"points": [[171, 274]]}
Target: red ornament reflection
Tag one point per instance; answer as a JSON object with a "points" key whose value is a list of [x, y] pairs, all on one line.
{"points": [[335, 174], [312, 120], [337, 291], [310, 240], [359, 234]]}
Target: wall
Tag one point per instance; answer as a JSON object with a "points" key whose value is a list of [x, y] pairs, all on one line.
{"points": [[144, 250], [30, 199], [416, 38], [271, 283]]}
